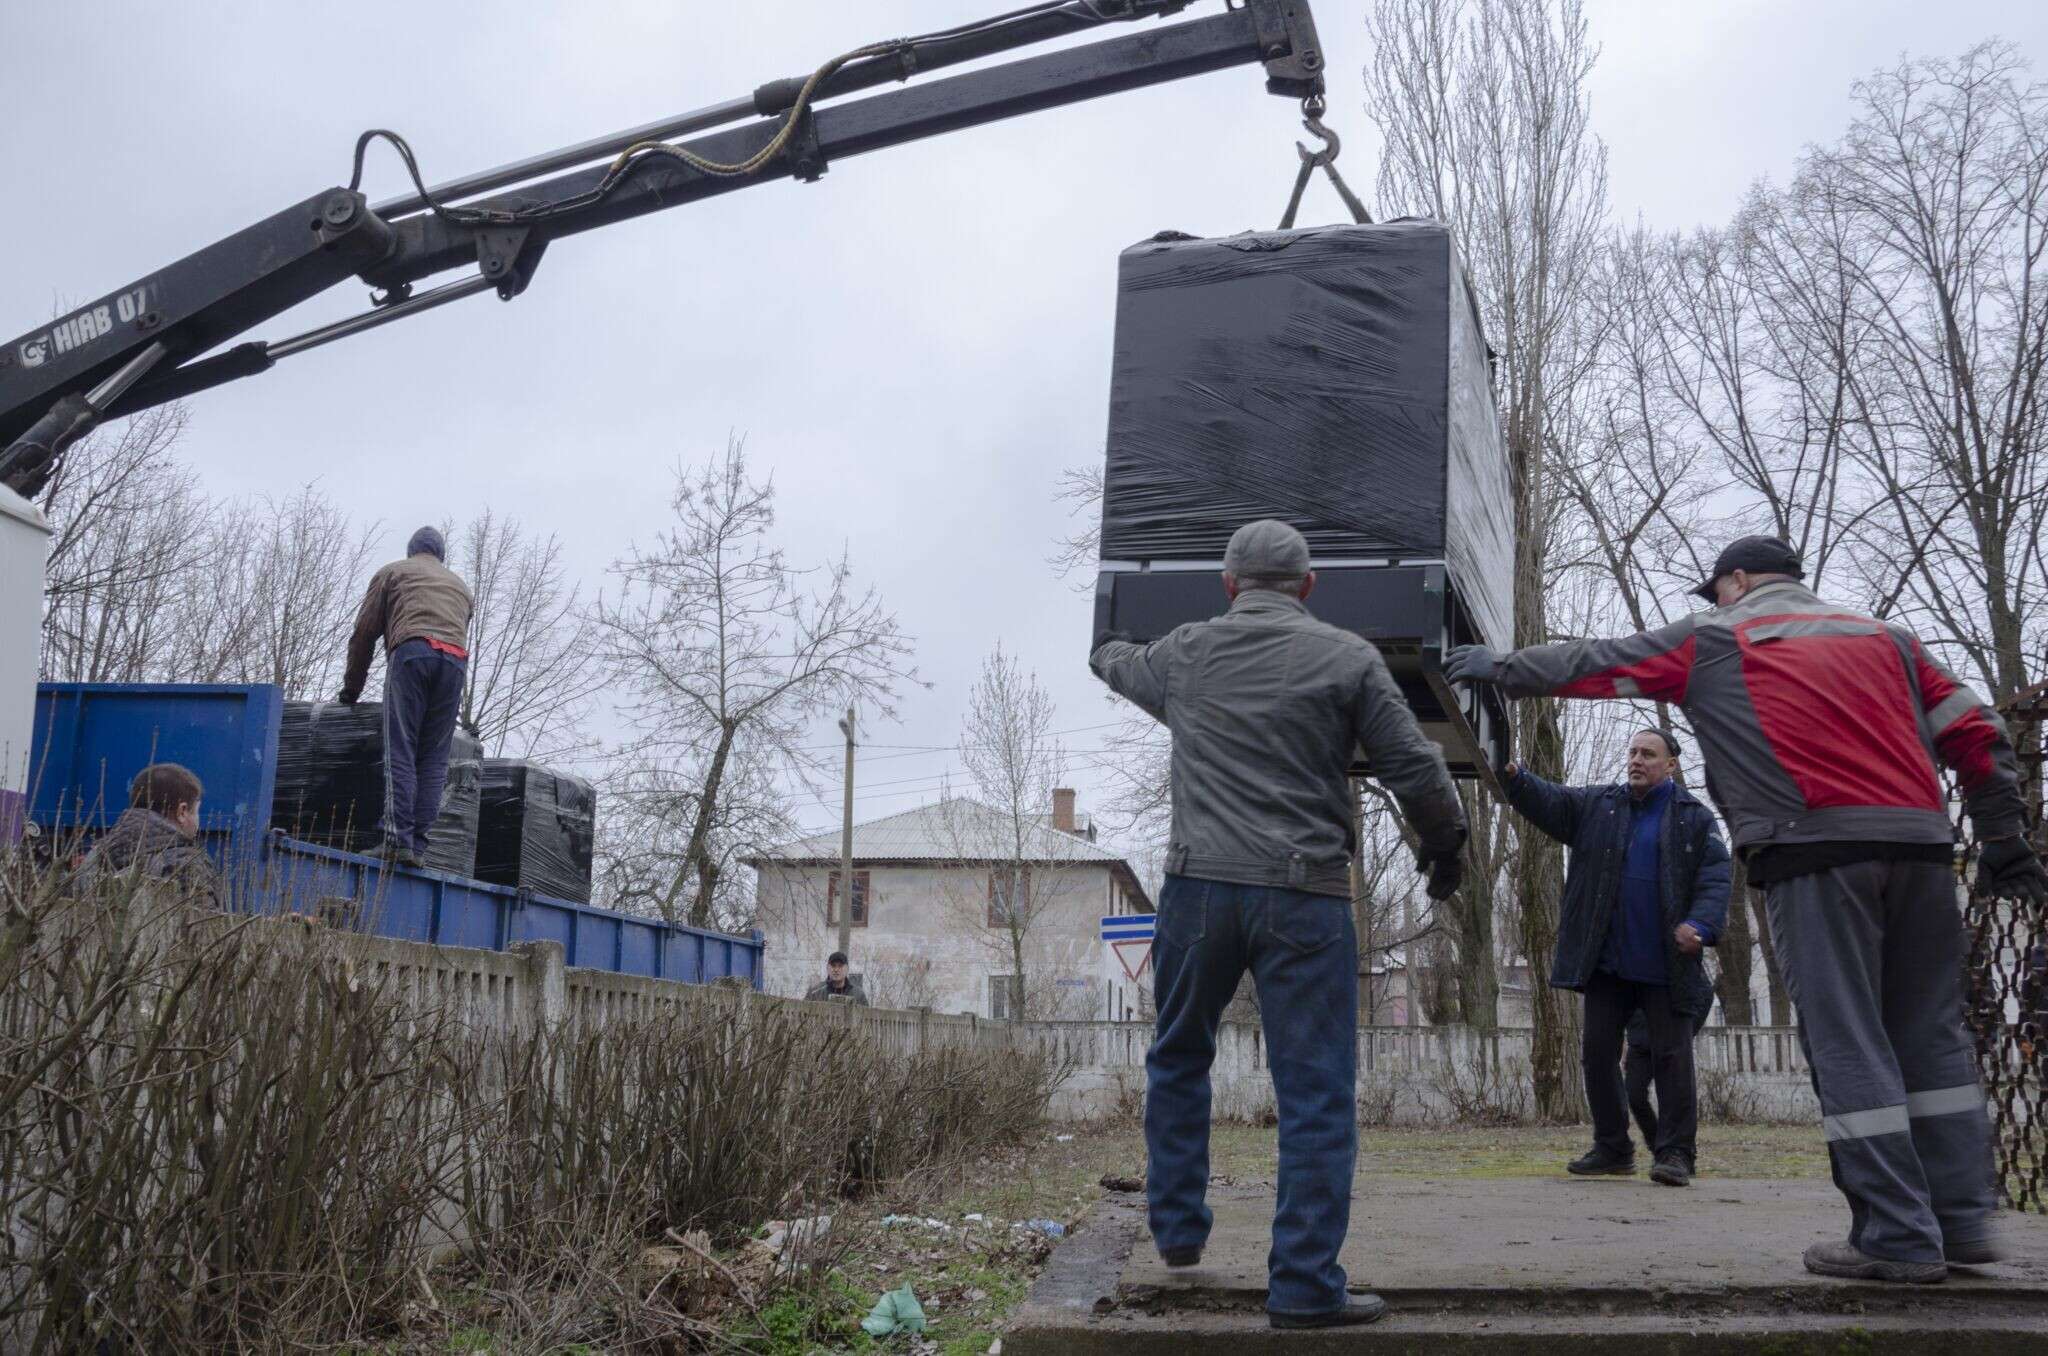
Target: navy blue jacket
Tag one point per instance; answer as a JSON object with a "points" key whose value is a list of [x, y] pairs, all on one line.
{"points": [[1593, 821]]}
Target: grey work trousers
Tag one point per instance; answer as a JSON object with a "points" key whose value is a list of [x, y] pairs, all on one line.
{"points": [[1872, 955]]}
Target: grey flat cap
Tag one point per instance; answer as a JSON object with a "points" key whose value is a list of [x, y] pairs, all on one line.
{"points": [[1266, 549]]}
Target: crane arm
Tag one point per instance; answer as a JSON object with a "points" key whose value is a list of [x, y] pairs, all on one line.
{"points": [[155, 339]]}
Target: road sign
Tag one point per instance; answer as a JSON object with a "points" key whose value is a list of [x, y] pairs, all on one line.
{"points": [[1128, 927], [1130, 936]]}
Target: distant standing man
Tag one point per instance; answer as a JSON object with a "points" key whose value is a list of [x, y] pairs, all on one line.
{"points": [[837, 983], [1267, 707], [421, 609], [1646, 889], [1821, 729]]}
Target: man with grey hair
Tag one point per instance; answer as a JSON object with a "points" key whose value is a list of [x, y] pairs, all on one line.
{"points": [[1267, 708], [420, 609]]}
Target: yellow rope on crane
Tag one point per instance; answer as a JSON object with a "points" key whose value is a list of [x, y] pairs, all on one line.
{"points": [[777, 144]]}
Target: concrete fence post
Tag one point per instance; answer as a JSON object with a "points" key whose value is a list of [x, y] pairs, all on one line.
{"points": [[547, 983]]}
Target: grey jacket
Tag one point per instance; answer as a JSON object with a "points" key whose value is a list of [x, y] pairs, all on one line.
{"points": [[1819, 724], [1267, 707]]}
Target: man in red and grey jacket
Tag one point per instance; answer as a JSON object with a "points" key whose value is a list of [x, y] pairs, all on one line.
{"points": [[1822, 729]]}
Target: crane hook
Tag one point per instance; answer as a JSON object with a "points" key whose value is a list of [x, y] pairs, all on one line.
{"points": [[1324, 159]]}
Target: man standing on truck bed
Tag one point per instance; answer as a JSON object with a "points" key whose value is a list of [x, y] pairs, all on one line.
{"points": [[1267, 707], [421, 608]]}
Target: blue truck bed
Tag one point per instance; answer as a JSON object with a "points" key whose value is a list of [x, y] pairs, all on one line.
{"points": [[91, 738]]}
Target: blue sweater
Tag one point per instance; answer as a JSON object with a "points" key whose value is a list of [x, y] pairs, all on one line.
{"points": [[1634, 947]]}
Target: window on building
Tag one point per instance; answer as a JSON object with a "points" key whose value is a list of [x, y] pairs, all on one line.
{"points": [[860, 900], [1005, 998], [1009, 894]]}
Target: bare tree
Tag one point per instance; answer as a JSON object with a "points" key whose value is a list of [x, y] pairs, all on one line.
{"points": [[532, 670], [1486, 122], [126, 536], [1943, 177], [647, 820], [275, 597], [720, 650], [1014, 762]]}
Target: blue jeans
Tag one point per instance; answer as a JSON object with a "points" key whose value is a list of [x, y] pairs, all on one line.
{"points": [[1303, 956], [422, 696]]}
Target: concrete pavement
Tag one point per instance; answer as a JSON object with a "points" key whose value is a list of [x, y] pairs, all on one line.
{"points": [[1537, 1264]]}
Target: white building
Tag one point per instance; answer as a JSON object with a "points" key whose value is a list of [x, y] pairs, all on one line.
{"points": [[958, 908], [24, 545]]}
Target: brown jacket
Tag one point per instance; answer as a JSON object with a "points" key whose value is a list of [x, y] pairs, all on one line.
{"points": [[417, 597]]}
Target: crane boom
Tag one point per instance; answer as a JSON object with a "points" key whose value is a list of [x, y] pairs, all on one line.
{"points": [[155, 339]]}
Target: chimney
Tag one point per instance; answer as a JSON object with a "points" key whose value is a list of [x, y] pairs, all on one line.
{"points": [[1063, 809]]}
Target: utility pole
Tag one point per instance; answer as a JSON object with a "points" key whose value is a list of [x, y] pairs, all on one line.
{"points": [[846, 848]]}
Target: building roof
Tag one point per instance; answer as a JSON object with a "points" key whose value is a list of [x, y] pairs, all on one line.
{"points": [[956, 829]]}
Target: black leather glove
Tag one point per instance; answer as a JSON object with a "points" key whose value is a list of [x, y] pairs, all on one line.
{"points": [[1471, 664], [2009, 868], [1444, 865], [1104, 637]]}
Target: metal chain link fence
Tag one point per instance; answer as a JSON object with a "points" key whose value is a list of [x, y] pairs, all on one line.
{"points": [[2006, 989]]}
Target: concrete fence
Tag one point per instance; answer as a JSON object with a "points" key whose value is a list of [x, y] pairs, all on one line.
{"points": [[1407, 1075]]}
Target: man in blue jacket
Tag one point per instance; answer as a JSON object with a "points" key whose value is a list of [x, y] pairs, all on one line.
{"points": [[1645, 890]]}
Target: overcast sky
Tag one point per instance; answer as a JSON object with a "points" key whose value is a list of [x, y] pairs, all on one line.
{"points": [[914, 346]]}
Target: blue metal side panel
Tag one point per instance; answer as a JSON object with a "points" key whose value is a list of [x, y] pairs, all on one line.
{"points": [[92, 738], [640, 949], [474, 914], [545, 920]]}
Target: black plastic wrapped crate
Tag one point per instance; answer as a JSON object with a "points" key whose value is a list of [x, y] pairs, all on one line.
{"points": [[1337, 379], [330, 784], [534, 829]]}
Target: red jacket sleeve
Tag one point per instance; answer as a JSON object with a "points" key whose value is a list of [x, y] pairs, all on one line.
{"points": [[1971, 741]]}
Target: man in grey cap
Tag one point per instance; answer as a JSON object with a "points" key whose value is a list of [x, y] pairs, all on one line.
{"points": [[1821, 729], [1267, 707], [420, 609]]}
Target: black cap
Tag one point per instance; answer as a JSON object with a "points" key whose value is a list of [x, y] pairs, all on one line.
{"points": [[1664, 733], [1757, 555], [836, 958]]}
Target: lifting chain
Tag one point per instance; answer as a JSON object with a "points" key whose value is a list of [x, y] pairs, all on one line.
{"points": [[1325, 159]]}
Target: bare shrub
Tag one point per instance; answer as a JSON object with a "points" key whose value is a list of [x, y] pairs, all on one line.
{"points": [[1729, 1099], [223, 1133], [1378, 1098], [1481, 1092], [207, 1133]]}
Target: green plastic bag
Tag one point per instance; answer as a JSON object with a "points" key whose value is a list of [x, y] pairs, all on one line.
{"points": [[895, 1311]]}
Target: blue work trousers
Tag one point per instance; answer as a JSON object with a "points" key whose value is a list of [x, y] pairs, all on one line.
{"points": [[1303, 956], [422, 696]]}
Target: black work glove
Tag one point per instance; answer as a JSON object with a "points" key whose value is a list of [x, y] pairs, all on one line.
{"points": [[348, 698], [1103, 638], [1444, 866], [2009, 868], [1471, 664]]}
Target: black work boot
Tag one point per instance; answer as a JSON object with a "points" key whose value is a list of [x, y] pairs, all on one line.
{"points": [[1851, 1263], [1176, 1258], [1976, 1252], [1357, 1311], [1599, 1162], [1671, 1169]]}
